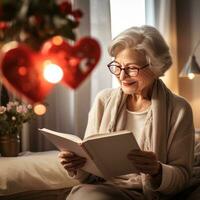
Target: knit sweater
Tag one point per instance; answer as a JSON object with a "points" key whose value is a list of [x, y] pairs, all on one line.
{"points": [[168, 130]]}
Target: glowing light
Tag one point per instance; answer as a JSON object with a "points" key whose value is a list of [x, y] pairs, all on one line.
{"points": [[22, 71], [191, 75], [52, 72], [40, 109], [57, 40]]}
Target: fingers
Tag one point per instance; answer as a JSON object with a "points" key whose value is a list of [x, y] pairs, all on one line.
{"points": [[142, 157], [71, 166], [139, 159], [140, 153], [144, 161], [71, 161], [68, 155], [147, 169], [64, 154]]}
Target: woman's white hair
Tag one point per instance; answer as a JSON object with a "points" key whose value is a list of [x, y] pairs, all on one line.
{"points": [[146, 39]]}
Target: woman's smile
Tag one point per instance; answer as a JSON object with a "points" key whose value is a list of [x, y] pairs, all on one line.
{"points": [[127, 84]]}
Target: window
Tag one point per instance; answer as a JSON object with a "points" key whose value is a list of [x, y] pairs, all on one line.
{"points": [[125, 14]]}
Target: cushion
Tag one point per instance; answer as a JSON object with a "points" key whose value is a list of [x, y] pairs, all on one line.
{"points": [[33, 171]]}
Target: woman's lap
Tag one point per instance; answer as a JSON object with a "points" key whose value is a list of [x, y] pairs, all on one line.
{"points": [[102, 192]]}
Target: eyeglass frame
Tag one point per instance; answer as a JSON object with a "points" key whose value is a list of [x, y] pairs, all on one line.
{"points": [[126, 68]]}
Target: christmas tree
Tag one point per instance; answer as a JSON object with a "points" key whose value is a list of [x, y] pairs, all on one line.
{"points": [[35, 21]]}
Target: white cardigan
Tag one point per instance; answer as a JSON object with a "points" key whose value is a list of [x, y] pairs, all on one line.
{"points": [[169, 132]]}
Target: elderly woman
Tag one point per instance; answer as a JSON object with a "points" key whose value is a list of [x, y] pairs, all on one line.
{"points": [[161, 121]]}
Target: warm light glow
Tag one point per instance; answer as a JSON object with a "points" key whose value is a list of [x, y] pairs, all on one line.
{"points": [[52, 72], [22, 71], [40, 109], [57, 40], [191, 75]]}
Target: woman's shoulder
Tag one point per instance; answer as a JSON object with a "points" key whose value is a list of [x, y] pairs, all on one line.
{"points": [[180, 103], [175, 101]]}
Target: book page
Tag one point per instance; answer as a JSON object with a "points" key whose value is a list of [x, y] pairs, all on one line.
{"points": [[67, 142], [63, 135], [103, 135], [110, 153]]}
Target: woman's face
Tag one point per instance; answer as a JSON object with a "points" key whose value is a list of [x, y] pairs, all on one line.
{"points": [[145, 77]]}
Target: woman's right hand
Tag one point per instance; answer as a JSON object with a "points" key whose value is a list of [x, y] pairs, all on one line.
{"points": [[70, 161]]}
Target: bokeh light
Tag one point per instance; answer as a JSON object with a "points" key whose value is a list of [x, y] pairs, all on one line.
{"points": [[52, 72], [39, 109]]}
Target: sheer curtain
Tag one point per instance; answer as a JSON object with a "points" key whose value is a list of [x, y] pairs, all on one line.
{"points": [[101, 29], [68, 109], [162, 14]]}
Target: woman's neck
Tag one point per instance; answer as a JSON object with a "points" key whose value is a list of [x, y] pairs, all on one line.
{"points": [[137, 104], [140, 101]]}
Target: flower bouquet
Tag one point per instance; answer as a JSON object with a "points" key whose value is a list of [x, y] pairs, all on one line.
{"points": [[12, 117]]}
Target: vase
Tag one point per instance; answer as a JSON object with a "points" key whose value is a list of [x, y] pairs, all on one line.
{"points": [[9, 145]]}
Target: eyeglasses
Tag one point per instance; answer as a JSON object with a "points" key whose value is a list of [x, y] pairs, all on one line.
{"points": [[131, 69]]}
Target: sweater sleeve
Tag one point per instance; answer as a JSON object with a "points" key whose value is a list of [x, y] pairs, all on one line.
{"points": [[176, 172], [94, 121]]}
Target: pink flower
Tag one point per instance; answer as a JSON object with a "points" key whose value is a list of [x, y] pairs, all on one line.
{"points": [[29, 106], [24, 109], [10, 105], [19, 109], [2, 109], [16, 103]]}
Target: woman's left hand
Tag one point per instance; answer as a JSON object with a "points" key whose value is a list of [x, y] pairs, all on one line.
{"points": [[145, 162]]}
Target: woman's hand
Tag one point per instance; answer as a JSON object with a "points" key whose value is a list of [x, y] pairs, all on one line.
{"points": [[70, 161], [145, 162]]}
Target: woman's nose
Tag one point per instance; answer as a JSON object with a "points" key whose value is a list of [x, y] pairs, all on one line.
{"points": [[122, 75]]}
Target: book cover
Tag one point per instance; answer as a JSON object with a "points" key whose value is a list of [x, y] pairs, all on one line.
{"points": [[106, 154]]}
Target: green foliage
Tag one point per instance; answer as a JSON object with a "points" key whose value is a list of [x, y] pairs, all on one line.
{"points": [[34, 21], [6, 7]]}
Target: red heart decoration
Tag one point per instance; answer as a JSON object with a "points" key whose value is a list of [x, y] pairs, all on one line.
{"points": [[22, 68], [76, 61], [23, 73]]}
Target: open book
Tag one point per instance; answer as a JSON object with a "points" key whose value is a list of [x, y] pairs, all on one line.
{"points": [[106, 154]]}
